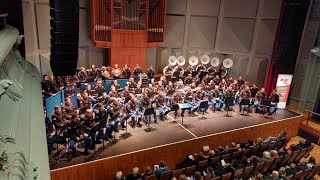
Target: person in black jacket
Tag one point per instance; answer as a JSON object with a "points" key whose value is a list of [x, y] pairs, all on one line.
{"points": [[150, 74]]}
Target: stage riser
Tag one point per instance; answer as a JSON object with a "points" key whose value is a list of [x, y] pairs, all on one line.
{"points": [[174, 153]]}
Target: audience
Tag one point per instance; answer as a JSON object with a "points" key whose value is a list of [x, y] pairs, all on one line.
{"points": [[162, 168], [135, 174], [119, 176], [233, 164]]}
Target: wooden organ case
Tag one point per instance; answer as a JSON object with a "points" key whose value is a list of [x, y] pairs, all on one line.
{"points": [[127, 28]]}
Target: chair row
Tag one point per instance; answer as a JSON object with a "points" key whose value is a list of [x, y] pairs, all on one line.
{"points": [[245, 172]]}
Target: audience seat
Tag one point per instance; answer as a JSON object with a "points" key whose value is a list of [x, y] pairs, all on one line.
{"points": [[308, 152], [166, 175], [255, 150], [263, 147], [238, 173], [258, 167], [245, 152], [202, 165], [190, 170], [267, 165], [315, 170], [271, 146], [151, 177], [247, 172], [214, 161], [236, 155], [276, 163], [306, 173], [289, 177], [302, 152], [177, 173], [298, 175], [226, 176], [285, 159], [225, 157], [293, 157]]}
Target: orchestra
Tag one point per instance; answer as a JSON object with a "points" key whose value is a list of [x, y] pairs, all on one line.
{"points": [[102, 113]]}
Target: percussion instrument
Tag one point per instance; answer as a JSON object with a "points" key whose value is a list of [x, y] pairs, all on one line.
{"points": [[106, 73]]}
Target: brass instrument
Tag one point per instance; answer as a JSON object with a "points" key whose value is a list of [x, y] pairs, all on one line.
{"points": [[106, 73]]}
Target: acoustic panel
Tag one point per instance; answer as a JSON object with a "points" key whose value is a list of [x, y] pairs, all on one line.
{"points": [[82, 58], [271, 9], [174, 32], [43, 24], [240, 65], [236, 34], [177, 7], [243, 8], [205, 7], [162, 58], [202, 32], [266, 36]]}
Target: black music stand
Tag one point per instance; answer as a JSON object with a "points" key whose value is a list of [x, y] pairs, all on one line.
{"points": [[184, 108], [126, 119], [149, 112], [203, 106], [228, 101], [264, 104], [245, 103], [174, 108]]}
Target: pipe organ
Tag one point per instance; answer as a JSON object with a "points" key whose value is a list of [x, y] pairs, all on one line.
{"points": [[127, 28]]}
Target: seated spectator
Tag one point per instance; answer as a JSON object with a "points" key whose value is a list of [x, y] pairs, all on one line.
{"points": [[189, 161], [253, 160], [201, 157], [281, 137], [282, 173], [302, 165], [147, 172], [259, 141], [182, 177], [284, 151], [212, 154], [311, 162], [292, 170], [135, 174], [119, 176], [209, 174], [307, 144], [316, 177], [274, 175], [301, 144], [174, 178], [273, 154], [265, 157], [162, 168], [197, 176]]}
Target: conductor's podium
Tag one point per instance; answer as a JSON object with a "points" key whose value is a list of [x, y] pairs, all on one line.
{"points": [[23, 149]]}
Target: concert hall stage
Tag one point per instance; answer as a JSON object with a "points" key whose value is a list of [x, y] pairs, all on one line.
{"points": [[168, 132]]}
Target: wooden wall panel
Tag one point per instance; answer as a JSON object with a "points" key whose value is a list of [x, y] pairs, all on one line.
{"points": [[130, 56], [128, 38], [172, 154]]}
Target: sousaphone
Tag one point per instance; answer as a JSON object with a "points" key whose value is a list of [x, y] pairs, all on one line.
{"points": [[193, 61], [212, 69], [168, 71], [227, 63], [181, 61]]}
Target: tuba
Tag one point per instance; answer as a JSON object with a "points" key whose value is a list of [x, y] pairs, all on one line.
{"points": [[227, 63], [212, 69], [168, 71]]}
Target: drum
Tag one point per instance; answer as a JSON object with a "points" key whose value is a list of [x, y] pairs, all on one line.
{"points": [[116, 72]]}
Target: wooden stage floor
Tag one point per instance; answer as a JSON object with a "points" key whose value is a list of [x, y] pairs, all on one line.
{"points": [[168, 131]]}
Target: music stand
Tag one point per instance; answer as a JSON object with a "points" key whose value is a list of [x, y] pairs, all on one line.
{"points": [[203, 106], [126, 119], [245, 103], [228, 101], [149, 112], [265, 103], [174, 108], [184, 107]]}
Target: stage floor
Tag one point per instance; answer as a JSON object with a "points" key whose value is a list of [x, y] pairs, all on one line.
{"points": [[168, 131]]}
